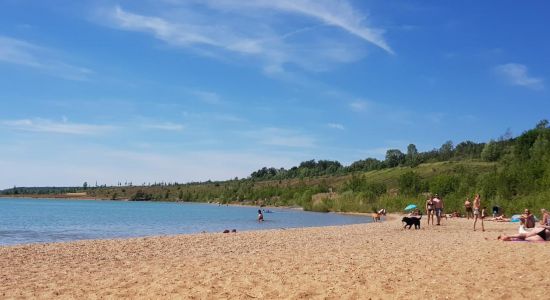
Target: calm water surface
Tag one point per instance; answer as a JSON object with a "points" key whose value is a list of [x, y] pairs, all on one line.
{"points": [[43, 220]]}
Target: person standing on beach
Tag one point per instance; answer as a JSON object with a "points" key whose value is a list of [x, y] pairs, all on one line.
{"points": [[430, 209], [468, 208], [477, 209], [438, 205], [483, 214]]}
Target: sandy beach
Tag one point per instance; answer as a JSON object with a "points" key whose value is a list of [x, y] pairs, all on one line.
{"points": [[379, 260]]}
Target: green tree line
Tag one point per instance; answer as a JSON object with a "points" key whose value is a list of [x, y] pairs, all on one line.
{"points": [[511, 172]]}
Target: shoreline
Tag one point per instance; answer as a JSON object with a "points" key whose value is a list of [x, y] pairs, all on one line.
{"points": [[176, 235], [380, 260]]}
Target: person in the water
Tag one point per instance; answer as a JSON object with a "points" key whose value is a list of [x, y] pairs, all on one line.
{"points": [[260, 216]]}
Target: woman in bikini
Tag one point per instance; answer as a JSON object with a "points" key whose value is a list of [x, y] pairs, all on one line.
{"points": [[430, 206], [538, 234]]}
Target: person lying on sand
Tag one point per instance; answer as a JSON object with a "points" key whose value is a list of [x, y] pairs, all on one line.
{"points": [[539, 234], [501, 218]]}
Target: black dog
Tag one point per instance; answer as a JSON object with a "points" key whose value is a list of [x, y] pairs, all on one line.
{"points": [[410, 221]]}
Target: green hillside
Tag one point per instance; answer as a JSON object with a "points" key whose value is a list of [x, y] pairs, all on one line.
{"points": [[512, 173]]}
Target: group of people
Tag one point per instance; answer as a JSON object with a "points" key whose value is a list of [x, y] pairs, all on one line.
{"points": [[478, 212], [434, 207], [528, 231]]}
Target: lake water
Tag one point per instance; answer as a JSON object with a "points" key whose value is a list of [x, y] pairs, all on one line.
{"points": [[43, 220]]}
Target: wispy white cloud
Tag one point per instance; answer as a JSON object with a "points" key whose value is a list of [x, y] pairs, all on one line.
{"points": [[517, 74], [228, 118], [49, 126], [359, 105], [23, 53], [334, 13], [223, 117], [253, 29], [168, 126], [336, 126]]}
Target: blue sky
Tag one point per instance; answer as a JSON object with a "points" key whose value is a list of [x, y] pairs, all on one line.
{"points": [[188, 90]]}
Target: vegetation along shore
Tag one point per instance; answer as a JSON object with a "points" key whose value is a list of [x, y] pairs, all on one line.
{"points": [[511, 172]]}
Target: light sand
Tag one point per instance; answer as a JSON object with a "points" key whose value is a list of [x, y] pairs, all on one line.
{"points": [[359, 261]]}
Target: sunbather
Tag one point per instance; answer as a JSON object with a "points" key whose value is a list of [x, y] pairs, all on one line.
{"points": [[538, 234], [527, 219], [501, 218], [545, 220]]}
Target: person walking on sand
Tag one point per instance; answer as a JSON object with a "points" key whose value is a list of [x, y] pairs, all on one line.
{"points": [[477, 209], [430, 209], [468, 208], [438, 206]]}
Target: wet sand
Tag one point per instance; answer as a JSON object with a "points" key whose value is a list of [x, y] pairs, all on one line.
{"points": [[379, 260]]}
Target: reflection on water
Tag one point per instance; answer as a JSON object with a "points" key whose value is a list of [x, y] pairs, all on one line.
{"points": [[44, 220]]}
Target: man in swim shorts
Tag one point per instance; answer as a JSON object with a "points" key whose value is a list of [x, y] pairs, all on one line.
{"points": [[438, 205], [477, 209]]}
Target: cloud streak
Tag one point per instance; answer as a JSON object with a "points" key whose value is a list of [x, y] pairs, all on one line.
{"points": [[49, 126], [359, 105], [517, 74], [336, 126], [167, 126], [334, 13], [252, 29], [23, 53]]}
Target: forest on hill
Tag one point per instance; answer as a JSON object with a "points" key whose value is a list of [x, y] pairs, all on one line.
{"points": [[511, 172]]}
